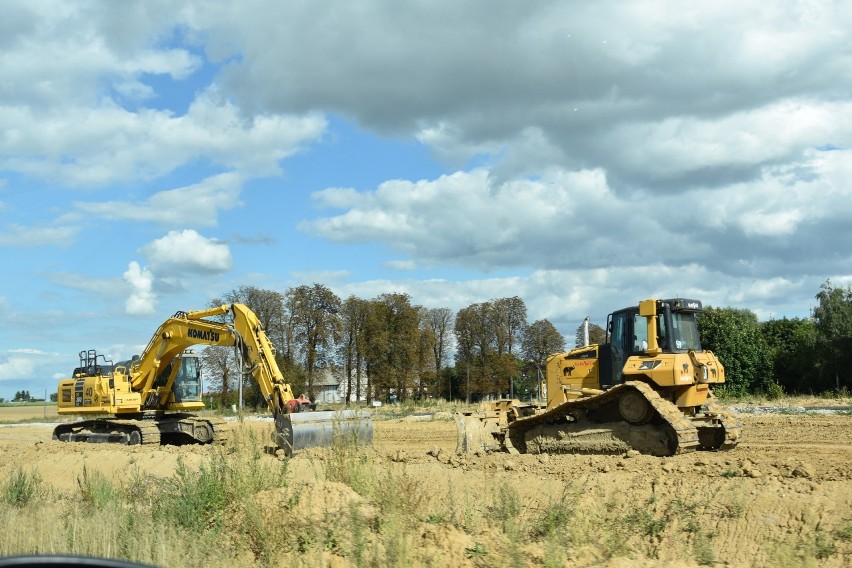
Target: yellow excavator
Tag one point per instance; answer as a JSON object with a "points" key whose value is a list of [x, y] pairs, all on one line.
{"points": [[646, 388], [151, 399]]}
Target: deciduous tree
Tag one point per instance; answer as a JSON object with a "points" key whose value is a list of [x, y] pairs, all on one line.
{"points": [[833, 320], [792, 345], [392, 334], [437, 329], [540, 340], [734, 336], [353, 318], [315, 319]]}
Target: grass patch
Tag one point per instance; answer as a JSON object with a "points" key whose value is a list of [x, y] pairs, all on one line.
{"points": [[844, 531], [95, 489], [22, 487]]}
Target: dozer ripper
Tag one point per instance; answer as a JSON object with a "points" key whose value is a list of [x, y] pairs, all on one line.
{"points": [[151, 399], [646, 388]]}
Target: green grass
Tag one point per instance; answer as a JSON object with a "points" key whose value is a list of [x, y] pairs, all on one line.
{"points": [[22, 487]]}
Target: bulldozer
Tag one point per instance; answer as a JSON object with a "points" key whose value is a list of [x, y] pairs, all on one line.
{"points": [[152, 398], [646, 388]]}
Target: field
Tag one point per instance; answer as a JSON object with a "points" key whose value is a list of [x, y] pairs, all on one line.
{"points": [[782, 498]]}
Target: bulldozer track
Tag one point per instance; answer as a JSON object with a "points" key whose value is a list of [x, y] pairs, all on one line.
{"points": [[681, 427], [728, 422]]}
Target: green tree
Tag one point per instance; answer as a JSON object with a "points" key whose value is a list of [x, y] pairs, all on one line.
{"points": [[436, 329], [734, 336], [392, 334], [353, 319], [509, 320], [597, 334], [540, 340], [475, 339], [792, 347], [22, 396], [315, 323], [833, 322], [489, 335]]}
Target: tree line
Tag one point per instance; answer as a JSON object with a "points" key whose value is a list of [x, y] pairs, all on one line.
{"points": [[810, 355], [387, 348]]}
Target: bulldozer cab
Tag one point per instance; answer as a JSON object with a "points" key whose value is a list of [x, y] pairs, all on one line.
{"points": [[674, 329]]}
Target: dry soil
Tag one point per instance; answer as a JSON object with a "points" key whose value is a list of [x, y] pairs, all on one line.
{"points": [[784, 494]]}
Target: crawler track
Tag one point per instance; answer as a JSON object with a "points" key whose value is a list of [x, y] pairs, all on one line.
{"points": [[725, 431], [145, 430], [589, 415]]}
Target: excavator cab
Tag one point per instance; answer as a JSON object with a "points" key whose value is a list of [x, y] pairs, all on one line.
{"points": [[187, 386]]}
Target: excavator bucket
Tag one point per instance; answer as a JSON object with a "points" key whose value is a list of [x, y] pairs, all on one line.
{"points": [[300, 430]]}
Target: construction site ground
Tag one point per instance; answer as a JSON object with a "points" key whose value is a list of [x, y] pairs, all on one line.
{"points": [[782, 497]]}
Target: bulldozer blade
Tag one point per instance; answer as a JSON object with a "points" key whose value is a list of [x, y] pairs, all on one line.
{"points": [[476, 433], [300, 430]]}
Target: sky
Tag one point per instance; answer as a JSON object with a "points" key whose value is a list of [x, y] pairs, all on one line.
{"points": [[583, 156]]}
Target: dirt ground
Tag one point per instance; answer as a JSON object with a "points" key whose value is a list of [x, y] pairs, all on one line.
{"points": [[784, 494]]}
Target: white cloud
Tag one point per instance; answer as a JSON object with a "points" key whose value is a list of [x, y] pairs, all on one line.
{"points": [[401, 264], [473, 78], [17, 235], [61, 52], [328, 277], [679, 146], [77, 78], [195, 205], [566, 296], [13, 368], [142, 299], [790, 220], [20, 364], [96, 146], [187, 252], [789, 198], [491, 223]]}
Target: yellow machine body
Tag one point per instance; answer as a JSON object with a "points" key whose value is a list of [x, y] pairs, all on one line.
{"points": [[648, 386], [154, 395]]}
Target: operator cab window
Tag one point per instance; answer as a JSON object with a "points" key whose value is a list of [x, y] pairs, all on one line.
{"points": [[640, 334]]}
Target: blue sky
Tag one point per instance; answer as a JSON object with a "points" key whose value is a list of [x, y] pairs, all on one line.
{"points": [[583, 156]]}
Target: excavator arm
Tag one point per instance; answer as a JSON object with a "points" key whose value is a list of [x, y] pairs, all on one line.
{"points": [[187, 329], [258, 354]]}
